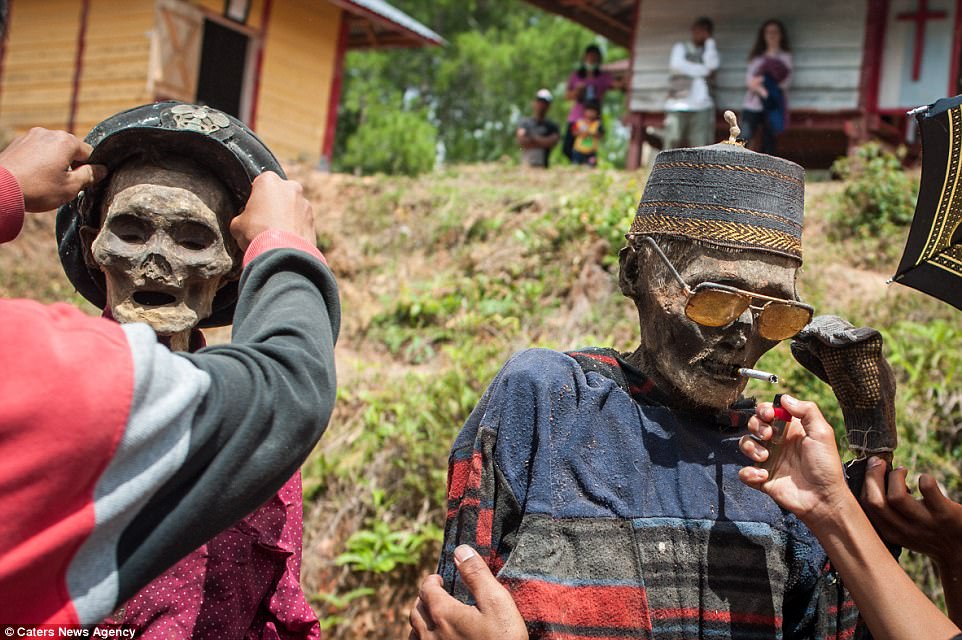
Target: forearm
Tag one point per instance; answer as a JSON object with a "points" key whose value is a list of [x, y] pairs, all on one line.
{"points": [[951, 574], [544, 142], [787, 82], [270, 394], [879, 586], [683, 67], [710, 58]]}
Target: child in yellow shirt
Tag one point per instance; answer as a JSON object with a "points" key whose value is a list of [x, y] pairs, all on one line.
{"points": [[588, 132]]}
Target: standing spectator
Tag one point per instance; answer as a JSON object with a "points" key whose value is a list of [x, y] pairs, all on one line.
{"points": [[768, 77], [690, 110], [538, 135], [588, 131], [587, 83]]}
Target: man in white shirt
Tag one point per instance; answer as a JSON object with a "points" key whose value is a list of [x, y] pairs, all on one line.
{"points": [[690, 110]]}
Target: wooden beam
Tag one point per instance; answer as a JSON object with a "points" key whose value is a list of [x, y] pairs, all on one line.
{"points": [[601, 15], [872, 47], [266, 11], [78, 65], [955, 82], [334, 98], [371, 35], [612, 29], [383, 42]]}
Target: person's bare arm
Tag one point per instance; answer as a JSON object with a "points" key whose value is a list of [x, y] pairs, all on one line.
{"points": [[522, 137], [437, 615], [931, 525], [544, 142], [678, 64], [809, 483], [575, 89], [787, 82]]}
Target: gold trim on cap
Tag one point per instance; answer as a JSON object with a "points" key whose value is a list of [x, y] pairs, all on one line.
{"points": [[720, 232]]}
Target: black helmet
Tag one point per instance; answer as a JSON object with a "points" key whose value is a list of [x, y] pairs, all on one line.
{"points": [[222, 144]]}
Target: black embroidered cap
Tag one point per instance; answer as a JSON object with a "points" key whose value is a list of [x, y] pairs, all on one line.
{"points": [[725, 195], [219, 142]]}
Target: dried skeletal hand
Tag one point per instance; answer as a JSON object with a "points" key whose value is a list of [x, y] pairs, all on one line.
{"points": [[274, 203], [439, 616], [46, 165]]}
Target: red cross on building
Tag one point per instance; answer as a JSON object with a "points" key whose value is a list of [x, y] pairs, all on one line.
{"points": [[920, 17]]}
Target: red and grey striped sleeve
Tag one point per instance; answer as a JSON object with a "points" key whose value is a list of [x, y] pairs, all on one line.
{"points": [[11, 207], [123, 456]]}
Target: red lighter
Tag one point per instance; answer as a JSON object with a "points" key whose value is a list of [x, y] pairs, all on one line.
{"points": [[774, 446]]}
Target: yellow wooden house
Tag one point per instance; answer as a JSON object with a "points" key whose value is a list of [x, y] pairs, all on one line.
{"points": [[276, 64]]}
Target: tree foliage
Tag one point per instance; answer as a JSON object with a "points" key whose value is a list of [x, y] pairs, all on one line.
{"points": [[392, 141], [472, 90]]}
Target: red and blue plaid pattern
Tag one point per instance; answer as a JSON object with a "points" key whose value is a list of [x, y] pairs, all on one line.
{"points": [[608, 518]]}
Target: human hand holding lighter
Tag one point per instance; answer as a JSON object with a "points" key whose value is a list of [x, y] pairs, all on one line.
{"points": [[795, 458]]}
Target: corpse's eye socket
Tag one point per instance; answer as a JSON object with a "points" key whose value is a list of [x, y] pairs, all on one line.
{"points": [[194, 236], [131, 229]]}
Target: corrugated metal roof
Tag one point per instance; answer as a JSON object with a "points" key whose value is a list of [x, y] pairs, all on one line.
{"points": [[395, 16]]}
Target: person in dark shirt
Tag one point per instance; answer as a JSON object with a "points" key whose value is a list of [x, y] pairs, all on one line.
{"points": [[537, 135]]}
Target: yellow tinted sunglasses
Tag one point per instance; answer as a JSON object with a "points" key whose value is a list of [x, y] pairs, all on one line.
{"points": [[718, 305]]}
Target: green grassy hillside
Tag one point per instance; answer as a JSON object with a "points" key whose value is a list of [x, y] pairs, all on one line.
{"points": [[442, 277]]}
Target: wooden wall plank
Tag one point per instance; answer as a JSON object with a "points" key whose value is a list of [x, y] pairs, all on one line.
{"points": [[37, 82], [39, 65], [826, 38], [115, 60], [297, 74]]}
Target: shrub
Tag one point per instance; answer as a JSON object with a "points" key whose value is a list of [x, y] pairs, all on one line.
{"points": [[392, 142], [879, 194]]}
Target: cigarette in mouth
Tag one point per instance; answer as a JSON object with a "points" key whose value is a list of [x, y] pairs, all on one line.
{"points": [[745, 372]]}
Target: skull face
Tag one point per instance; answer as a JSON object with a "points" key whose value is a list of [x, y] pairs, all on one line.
{"points": [[695, 364], [164, 245]]}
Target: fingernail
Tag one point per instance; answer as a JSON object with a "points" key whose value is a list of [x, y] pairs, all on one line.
{"points": [[462, 553], [874, 461], [788, 400]]}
